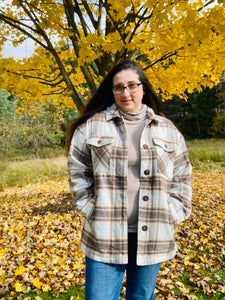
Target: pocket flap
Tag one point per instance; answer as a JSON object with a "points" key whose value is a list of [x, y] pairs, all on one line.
{"points": [[100, 141], [165, 145]]}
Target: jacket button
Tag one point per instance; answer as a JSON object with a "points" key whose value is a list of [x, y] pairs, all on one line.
{"points": [[145, 146], [144, 228], [146, 172], [145, 198], [99, 141]]}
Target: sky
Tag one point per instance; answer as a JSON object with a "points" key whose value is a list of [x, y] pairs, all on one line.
{"points": [[23, 50]]}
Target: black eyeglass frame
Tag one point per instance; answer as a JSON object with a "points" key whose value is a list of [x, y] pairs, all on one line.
{"points": [[124, 87]]}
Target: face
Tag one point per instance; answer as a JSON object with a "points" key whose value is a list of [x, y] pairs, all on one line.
{"points": [[129, 102]]}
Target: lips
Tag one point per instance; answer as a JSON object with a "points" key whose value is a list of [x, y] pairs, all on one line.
{"points": [[126, 100]]}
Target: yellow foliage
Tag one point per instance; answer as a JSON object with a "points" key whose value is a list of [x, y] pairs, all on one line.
{"points": [[46, 288], [19, 287], [37, 283], [2, 251], [20, 271], [186, 262], [182, 41]]}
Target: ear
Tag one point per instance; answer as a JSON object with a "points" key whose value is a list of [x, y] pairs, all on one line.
{"points": [[143, 89]]}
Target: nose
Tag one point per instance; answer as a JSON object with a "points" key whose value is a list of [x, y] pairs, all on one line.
{"points": [[125, 91]]}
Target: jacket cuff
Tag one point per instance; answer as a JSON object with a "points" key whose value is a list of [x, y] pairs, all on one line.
{"points": [[86, 208]]}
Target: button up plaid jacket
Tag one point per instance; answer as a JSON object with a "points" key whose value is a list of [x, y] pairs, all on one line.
{"points": [[98, 167]]}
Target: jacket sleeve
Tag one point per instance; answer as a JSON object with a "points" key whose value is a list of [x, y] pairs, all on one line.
{"points": [[181, 191], [81, 180]]}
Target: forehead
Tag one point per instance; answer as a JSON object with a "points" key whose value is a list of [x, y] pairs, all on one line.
{"points": [[125, 76]]}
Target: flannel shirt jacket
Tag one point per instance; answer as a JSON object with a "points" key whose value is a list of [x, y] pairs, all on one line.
{"points": [[98, 167]]}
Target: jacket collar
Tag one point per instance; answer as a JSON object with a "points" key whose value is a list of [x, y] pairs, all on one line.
{"points": [[112, 112]]}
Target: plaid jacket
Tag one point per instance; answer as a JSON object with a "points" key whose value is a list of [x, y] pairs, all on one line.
{"points": [[97, 165]]}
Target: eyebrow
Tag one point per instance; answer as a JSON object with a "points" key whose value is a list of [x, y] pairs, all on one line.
{"points": [[131, 81]]}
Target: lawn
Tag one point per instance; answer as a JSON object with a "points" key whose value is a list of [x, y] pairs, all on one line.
{"points": [[209, 153]]}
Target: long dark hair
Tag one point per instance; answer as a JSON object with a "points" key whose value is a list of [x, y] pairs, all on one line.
{"points": [[104, 96]]}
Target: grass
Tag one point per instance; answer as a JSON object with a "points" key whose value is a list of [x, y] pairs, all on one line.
{"points": [[20, 173], [209, 152], [199, 293], [74, 293], [204, 154]]}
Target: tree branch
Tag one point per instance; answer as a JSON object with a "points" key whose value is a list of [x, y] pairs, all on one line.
{"points": [[41, 80], [140, 20], [205, 5], [51, 49], [71, 22], [80, 15], [164, 57], [116, 27], [90, 14], [15, 24]]}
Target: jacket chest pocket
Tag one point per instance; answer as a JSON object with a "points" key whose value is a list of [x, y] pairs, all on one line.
{"points": [[100, 152], [164, 153]]}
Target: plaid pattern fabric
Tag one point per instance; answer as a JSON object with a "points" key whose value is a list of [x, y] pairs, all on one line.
{"points": [[97, 166]]}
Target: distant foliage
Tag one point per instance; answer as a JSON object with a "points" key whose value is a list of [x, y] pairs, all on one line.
{"points": [[218, 127], [7, 105], [200, 116], [36, 134]]}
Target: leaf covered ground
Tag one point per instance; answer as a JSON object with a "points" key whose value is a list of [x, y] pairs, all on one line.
{"points": [[40, 234]]}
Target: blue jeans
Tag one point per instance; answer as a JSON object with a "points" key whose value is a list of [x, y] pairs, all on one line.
{"points": [[104, 281]]}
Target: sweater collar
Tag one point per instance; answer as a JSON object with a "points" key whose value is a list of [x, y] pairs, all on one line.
{"points": [[141, 115], [112, 112]]}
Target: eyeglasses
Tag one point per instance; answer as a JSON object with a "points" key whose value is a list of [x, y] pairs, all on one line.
{"points": [[131, 87]]}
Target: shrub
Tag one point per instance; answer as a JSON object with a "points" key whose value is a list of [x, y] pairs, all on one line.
{"points": [[218, 127], [31, 134]]}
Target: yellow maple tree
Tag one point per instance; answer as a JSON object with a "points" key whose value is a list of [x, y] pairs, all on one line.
{"points": [[180, 44]]}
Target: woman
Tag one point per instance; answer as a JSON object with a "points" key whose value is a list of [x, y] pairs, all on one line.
{"points": [[130, 178]]}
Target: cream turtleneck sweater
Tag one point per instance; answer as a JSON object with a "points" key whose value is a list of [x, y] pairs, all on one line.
{"points": [[135, 124]]}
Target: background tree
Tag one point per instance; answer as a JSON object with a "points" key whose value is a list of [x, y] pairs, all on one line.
{"points": [[195, 116], [179, 43], [218, 126]]}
